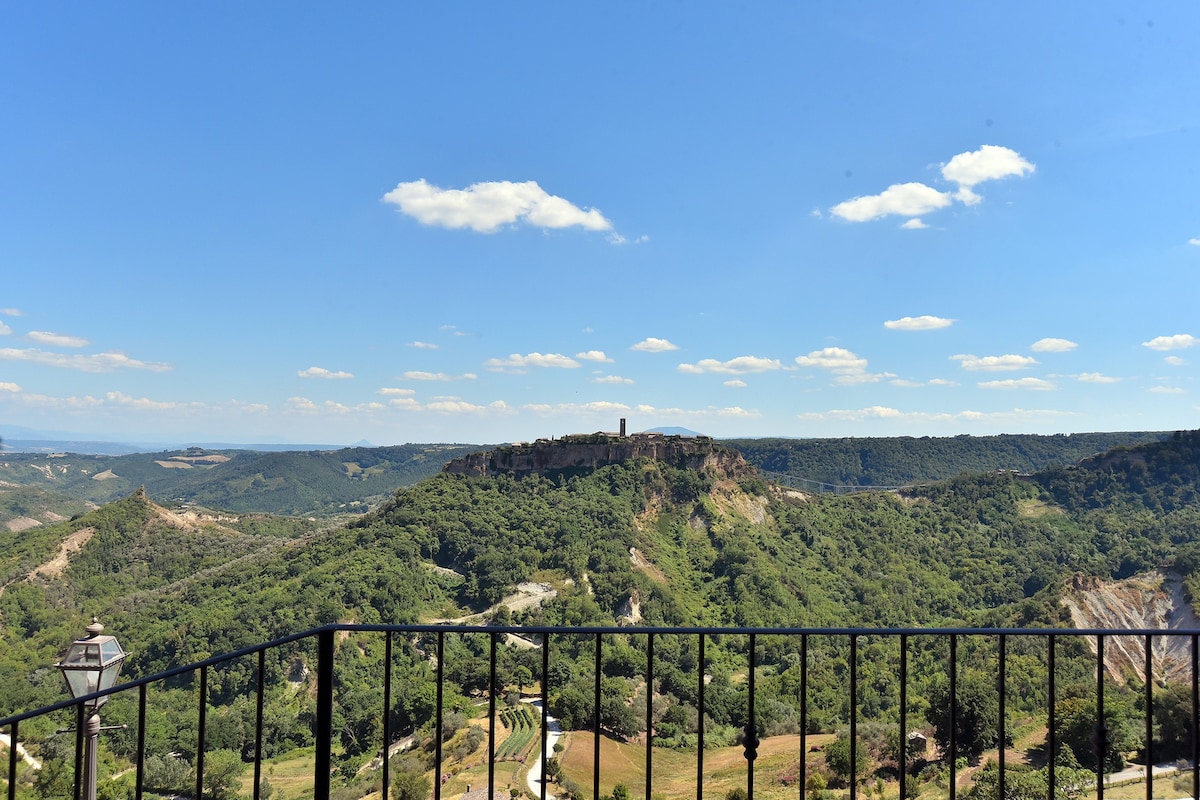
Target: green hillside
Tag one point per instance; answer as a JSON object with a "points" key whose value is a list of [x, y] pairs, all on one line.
{"points": [[318, 482], [710, 546]]}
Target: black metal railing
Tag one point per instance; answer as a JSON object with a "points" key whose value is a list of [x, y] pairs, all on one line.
{"points": [[996, 642]]}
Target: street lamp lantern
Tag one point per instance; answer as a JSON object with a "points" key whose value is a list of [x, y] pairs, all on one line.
{"points": [[92, 663]]}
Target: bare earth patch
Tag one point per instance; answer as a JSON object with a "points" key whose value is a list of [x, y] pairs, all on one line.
{"points": [[108, 474], [21, 524], [173, 464], [71, 545]]}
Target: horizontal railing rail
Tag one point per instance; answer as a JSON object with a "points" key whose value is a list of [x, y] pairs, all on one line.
{"points": [[996, 642]]}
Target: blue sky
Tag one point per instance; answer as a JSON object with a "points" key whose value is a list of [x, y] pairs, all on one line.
{"points": [[491, 222]]}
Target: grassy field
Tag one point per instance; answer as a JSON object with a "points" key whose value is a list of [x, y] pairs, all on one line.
{"points": [[675, 771]]}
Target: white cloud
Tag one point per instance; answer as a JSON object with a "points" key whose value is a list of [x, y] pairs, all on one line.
{"points": [[4, 329], [1096, 377], [907, 384], [9, 387], [925, 417], [1194, 241], [994, 363], [902, 199], [423, 345], [849, 369], [1051, 345], [143, 403], [914, 224], [486, 207], [837, 359], [613, 379], [99, 362], [56, 339], [12, 312], [942, 382], [1037, 384], [1175, 361], [1177, 342], [925, 322], [989, 162], [455, 405], [1167, 390], [652, 345], [517, 362], [736, 383], [593, 355], [389, 391], [742, 365], [321, 372]]}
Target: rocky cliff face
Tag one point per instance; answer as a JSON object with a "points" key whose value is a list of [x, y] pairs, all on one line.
{"points": [[590, 451], [1153, 601]]}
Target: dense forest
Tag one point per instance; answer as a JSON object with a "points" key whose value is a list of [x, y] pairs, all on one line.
{"points": [[905, 460], [688, 547]]}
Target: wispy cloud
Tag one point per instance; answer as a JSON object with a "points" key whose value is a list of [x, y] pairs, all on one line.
{"points": [[1176, 361], [391, 391], [423, 345], [925, 417], [56, 339], [994, 363], [98, 362], [420, 375], [519, 363], [1051, 345], [613, 379], [742, 365], [1177, 342], [593, 355], [653, 345], [4, 329], [925, 322], [12, 312], [1036, 384], [1096, 377], [321, 372], [735, 383], [489, 206], [9, 387], [1194, 241], [1167, 390]]}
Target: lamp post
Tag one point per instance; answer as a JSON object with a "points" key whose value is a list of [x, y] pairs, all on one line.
{"points": [[90, 665]]}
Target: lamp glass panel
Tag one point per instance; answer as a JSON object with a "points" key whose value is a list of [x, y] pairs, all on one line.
{"points": [[82, 681], [83, 654], [110, 648]]}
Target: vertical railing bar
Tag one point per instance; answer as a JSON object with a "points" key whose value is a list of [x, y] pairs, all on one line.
{"points": [[1051, 734], [323, 730], [650, 714], [491, 717], [545, 709], [387, 715], [201, 726], [1001, 682], [258, 723], [79, 751], [853, 716], [953, 714], [1149, 719], [903, 715], [700, 720], [1195, 717], [1100, 736], [140, 767], [596, 721], [803, 776], [751, 735], [437, 744], [14, 741]]}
